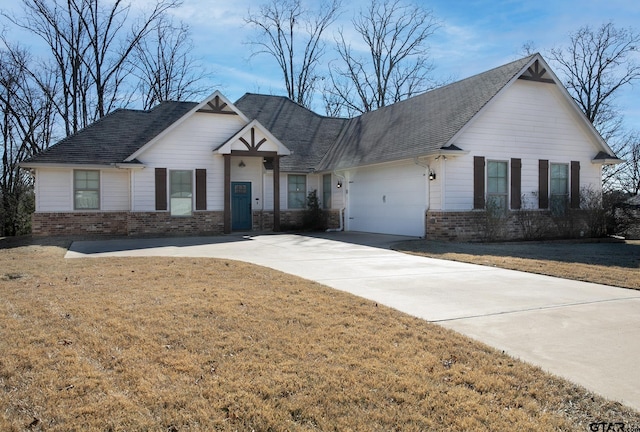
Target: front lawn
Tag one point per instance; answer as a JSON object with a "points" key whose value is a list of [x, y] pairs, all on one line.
{"points": [[176, 344]]}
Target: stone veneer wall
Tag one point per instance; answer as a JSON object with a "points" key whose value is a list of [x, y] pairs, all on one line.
{"points": [[290, 219]]}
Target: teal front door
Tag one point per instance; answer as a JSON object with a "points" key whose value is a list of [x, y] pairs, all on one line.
{"points": [[241, 206]]}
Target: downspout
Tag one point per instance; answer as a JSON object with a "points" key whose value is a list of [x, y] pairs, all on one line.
{"points": [[341, 227]]}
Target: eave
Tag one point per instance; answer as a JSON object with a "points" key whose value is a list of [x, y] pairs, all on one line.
{"points": [[122, 165]]}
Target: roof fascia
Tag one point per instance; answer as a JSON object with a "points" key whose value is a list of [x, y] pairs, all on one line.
{"points": [[182, 119], [437, 153], [36, 165], [607, 161], [225, 148]]}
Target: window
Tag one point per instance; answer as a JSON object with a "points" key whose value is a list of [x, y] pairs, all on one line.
{"points": [[559, 186], [326, 191], [181, 192], [497, 186], [297, 189], [86, 189]]}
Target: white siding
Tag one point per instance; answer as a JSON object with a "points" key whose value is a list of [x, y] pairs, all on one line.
{"points": [[388, 199], [189, 146], [54, 190], [114, 187], [529, 121]]}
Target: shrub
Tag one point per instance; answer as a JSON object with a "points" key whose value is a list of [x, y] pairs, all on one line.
{"points": [[313, 218]]}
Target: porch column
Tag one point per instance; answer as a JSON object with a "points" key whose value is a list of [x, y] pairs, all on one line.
{"points": [[227, 194], [276, 193]]}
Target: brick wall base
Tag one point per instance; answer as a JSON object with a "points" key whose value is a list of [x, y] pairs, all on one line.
{"points": [[126, 223], [157, 223], [480, 225], [56, 224]]}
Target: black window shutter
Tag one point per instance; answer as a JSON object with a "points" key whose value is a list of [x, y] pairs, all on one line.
{"points": [[543, 184], [161, 189], [575, 184], [201, 189], [478, 182], [516, 183]]}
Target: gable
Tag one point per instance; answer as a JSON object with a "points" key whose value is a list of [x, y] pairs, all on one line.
{"points": [[213, 105], [192, 141], [253, 139], [112, 139], [419, 126], [530, 118]]}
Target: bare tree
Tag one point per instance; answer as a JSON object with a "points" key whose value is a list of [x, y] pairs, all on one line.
{"points": [[396, 66], [292, 35], [26, 127], [625, 176], [164, 65], [596, 65], [90, 42]]}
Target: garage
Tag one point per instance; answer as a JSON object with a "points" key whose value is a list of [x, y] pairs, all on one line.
{"points": [[389, 199]]}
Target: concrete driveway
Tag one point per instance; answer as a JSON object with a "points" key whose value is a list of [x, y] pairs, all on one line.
{"points": [[585, 332]]}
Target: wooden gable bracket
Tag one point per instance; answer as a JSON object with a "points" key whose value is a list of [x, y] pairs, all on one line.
{"points": [[216, 106], [253, 147], [535, 73]]}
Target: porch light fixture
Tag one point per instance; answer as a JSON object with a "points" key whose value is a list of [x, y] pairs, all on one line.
{"points": [[339, 185], [432, 175], [241, 164]]}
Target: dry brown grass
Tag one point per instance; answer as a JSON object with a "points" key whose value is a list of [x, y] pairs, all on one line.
{"points": [[166, 344], [615, 263]]}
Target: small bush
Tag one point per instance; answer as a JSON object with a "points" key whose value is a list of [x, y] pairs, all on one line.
{"points": [[314, 218]]}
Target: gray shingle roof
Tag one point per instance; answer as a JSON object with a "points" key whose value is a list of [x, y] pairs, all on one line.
{"points": [[420, 125], [414, 127], [307, 134], [114, 137]]}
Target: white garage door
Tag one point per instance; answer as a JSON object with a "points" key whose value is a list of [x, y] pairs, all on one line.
{"points": [[389, 200]]}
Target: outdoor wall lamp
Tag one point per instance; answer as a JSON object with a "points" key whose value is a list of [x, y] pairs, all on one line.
{"points": [[339, 185], [241, 164], [432, 175]]}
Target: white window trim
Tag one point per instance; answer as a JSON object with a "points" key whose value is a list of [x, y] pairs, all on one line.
{"points": [[507, 194], [193, 195], [306, 183], [73, 190], [567, 194]]}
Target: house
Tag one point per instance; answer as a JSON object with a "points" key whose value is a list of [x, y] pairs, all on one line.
{"points": [[436, 165]]}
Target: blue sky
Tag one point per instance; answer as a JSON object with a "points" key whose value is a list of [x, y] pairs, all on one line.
{"points": [[476, 35]]}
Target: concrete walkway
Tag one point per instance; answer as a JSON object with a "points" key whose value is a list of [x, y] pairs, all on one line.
{"points": [[585, 332]]}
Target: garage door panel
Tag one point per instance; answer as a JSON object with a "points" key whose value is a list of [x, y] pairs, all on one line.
{"points": [[388, 200]]}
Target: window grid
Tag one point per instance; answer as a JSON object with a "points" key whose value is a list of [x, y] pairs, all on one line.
{"points": [[181, 192], [326, 191], [559, 188], [297, 188], [86, 189], [497, 185]]}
